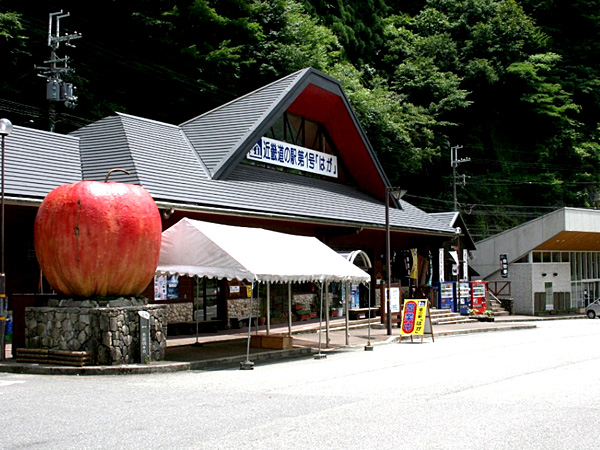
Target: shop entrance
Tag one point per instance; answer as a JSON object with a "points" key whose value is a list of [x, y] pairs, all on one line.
{"points": [[205, 299]]}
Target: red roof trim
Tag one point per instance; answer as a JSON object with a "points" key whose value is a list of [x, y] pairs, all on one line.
{"points": [[330, 109]]}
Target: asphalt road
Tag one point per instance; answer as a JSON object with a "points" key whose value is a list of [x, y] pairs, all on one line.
{"points": [[529, 389]]}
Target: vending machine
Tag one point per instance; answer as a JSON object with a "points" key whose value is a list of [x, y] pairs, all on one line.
{"points": [[464, 298], [478, 296], [354, 296], [447, 295]]}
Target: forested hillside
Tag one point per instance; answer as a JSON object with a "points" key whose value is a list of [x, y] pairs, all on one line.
{"points": [[515, 84]]}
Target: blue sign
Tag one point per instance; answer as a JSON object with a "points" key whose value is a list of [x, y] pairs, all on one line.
{"points": [[173, 287], [272, 151]]}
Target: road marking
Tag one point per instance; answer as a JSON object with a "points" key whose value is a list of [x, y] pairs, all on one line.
{"points": [[8, 383]]}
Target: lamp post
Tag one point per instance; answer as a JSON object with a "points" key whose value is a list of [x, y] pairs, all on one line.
{"points": [[5, 130], [397, 193]]}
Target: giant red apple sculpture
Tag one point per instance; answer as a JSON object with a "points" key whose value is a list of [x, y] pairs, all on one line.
{"points": [[98, 239]]}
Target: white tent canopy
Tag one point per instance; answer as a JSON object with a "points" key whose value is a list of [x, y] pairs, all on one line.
{"points": [[205, 249]]}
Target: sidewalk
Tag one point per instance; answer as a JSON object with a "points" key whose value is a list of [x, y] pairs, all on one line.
{"points": [[229, 348]]}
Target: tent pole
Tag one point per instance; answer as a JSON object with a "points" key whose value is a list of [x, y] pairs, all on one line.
{"points": [[268, 307], [204, 298], [195, 308], [290, 309], [249, 365], [346, 303], [320, 355], [327, 315], [369, 346], [257, 305]]}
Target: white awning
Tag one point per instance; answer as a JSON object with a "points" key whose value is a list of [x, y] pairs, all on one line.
{"points": [[205, 249]]}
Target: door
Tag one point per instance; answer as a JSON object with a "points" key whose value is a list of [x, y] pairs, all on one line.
{"points": [[549, 290]]}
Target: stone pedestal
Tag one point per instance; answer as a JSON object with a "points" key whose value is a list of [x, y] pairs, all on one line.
{"points": [[109, 329]]}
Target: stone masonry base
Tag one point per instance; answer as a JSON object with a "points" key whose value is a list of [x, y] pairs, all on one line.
{"points": [[110, 330]]}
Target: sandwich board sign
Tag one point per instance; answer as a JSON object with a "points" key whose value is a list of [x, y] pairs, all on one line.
{"points": [[416, 319]]}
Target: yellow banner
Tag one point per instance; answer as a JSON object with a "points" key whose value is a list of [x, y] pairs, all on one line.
{"points": [[413, 316], [415, 264]]}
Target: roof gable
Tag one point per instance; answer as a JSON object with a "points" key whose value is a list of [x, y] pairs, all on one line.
{"points": [[218, 134], [454, 219], [224, 135]]}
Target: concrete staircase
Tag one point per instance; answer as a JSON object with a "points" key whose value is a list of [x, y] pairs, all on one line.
{"points": [[445, 316], [438, 317], [496, 306]]}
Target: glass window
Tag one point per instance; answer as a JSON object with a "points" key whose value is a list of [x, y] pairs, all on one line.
{"points": [[585, 265], [547, 257], [537, 257], [565, 257], [573, 267], [556, 257], [524, 259]]}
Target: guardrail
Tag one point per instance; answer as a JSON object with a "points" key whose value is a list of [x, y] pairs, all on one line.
{"points": [[500, 288]]}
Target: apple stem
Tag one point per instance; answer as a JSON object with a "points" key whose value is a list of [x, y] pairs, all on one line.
{"points": [[114, 170]]}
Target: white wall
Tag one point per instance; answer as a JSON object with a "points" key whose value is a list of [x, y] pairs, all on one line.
{"points": [[526, 279], [521, 287], [561, 282]]}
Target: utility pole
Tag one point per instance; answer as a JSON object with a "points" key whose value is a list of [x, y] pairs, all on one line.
{"points": [[56, 89], [454, 162]]}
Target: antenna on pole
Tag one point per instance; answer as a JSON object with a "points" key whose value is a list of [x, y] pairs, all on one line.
{"points": [[454, 162], [58, 90]]}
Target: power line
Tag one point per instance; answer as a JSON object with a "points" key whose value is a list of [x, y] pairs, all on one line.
{"points": [[483, 181], [35, 112], [507, 209]]}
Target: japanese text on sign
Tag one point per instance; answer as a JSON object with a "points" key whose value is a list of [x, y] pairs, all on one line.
{"points": [[413, 316], [280, 153]]}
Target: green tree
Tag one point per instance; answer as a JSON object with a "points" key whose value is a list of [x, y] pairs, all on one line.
{"points": [[13, 49], [358, 24], [483, 71], [401, 132]]}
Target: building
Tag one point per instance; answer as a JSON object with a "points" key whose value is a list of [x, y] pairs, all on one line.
{"points": [[289, 157], [553, 261]]}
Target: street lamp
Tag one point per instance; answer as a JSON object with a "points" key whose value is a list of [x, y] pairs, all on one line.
{"points": [[397, 193], [5, 130]]}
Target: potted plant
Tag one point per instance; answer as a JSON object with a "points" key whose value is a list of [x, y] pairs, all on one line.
{"points": [[262, 318], [337, 309], [303, 314], [487, 316]]}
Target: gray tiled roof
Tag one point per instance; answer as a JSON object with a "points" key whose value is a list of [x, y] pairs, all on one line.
{"points": [[157, 154], [38, 161], [219, 133], [267, 191], [162, 160], [448, 218]]}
